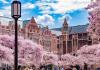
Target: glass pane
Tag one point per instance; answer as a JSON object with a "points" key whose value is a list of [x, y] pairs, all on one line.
{"points": [[15, 9], [19, 9]]}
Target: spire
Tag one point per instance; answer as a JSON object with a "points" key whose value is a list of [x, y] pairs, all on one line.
{"points": [[64, 35], [65, 25], [65, 22], [32, 20]]}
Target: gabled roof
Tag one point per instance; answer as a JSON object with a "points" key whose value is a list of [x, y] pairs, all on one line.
{"points": [[71, 30], [31, 22], [78, 29]]}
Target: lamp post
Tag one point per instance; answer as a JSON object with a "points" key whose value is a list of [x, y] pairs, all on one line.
{"points": [[16, 14]]}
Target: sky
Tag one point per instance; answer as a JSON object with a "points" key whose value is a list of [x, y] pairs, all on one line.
{"points": [[50, 12]]}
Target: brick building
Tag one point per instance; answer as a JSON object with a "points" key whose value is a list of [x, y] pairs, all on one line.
{"points": [[70, 39], [31, 30], [58, 40]]}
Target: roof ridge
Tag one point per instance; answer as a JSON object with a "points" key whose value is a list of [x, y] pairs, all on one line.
{"points": [[79, 25], [70, 26]]}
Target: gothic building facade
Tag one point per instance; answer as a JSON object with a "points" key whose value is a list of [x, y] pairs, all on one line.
{"points": [[32, 31], [70, 39], [58, 40]]}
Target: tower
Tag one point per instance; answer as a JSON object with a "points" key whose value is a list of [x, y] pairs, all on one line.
{"points": [[64, 36]]}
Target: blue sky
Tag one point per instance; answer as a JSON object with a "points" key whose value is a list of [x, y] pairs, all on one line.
{"points": [[50, 12]]}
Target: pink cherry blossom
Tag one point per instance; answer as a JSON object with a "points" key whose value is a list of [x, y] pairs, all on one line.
{"points": [[90, 54], [6, 55], [50, 58], [29, 53], [94, 20]]}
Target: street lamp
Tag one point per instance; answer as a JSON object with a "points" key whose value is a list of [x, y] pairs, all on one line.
{"points": [[16, 13]]}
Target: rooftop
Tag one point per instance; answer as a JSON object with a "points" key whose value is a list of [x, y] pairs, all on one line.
{"points": [[71, 30]]}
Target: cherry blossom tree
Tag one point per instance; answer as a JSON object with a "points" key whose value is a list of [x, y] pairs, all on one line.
{"points": [[86, 54], [89, 54], [6, 40], [67, 59], [32, 54], [6, 55], [29, 52], [50, 58], [94, 19]]}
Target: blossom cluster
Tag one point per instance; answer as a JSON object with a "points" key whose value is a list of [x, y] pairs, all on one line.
{"points": [[29, 53]]}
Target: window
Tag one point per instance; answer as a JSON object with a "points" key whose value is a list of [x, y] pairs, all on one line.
{"points": [[89, 38], [84, 35], [70, 37], [79, 36], [69, 46]]}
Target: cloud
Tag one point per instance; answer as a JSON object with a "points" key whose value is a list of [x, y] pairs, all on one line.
{"points": [[41, 7], [28, 6], [62, 6], [4, 1], [66, 16], [1, 14], [7, 7], [6, 11], [45, 20], [45, 9]]}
